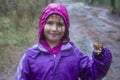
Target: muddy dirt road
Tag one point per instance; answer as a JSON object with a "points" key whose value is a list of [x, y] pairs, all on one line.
{"points": [[92, 24]]}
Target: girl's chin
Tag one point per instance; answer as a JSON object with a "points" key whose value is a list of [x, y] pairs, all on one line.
{"points": [[54, 40]]}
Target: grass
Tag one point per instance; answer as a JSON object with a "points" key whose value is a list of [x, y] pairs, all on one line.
{"points": [[17, 33], [12, 37]]}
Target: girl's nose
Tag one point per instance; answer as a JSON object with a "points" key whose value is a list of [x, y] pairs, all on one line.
{"points": [[54, 27]]}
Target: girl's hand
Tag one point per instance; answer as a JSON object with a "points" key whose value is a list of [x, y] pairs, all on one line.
{"points": [[98, 48]]}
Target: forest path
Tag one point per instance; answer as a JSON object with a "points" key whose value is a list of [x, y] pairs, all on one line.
{"points": [[94, 24]]}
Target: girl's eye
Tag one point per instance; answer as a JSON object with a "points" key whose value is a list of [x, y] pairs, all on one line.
{"points": [[49, 22], [60, 24]]}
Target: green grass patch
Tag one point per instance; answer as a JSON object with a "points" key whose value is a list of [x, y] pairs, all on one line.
{"points": [[18, 30], [11, 36]]}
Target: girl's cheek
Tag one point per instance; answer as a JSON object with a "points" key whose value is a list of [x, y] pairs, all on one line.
{"points": [[61, 29]]}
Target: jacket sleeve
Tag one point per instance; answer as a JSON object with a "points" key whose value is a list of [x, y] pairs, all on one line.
{"points": [[23, 70], [97, 67]]}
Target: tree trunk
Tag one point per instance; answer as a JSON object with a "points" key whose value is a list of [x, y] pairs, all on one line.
{"points": [[91, 2], [113, 7], [113, 3]]}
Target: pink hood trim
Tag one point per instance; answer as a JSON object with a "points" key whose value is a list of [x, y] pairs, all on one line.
{"points": [[54, 50]]}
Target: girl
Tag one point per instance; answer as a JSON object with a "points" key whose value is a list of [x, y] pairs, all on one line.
{"points": [[55, 57]]}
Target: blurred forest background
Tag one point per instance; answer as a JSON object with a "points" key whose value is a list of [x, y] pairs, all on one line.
{"points": [[18, 27], [113, 5]]}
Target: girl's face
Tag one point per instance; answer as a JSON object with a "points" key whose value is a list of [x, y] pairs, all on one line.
{"points": [[54, 28]]}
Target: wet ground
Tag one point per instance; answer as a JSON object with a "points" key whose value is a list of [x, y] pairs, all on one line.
{"points": [[93, 24], [89, 25]]}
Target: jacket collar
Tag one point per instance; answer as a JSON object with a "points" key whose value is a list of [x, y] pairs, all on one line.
{"points": [[63, 47], [38, 48]]}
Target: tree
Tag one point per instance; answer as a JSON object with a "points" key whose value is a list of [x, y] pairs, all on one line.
{"points": [[91, 2], [113, 6]]}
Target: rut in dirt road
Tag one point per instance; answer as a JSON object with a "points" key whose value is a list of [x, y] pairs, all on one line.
{"points": [[92, 24]]}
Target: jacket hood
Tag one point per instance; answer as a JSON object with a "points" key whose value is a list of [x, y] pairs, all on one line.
{"points": [[54, 8]]}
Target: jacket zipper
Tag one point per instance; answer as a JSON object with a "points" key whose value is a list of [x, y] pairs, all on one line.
{"points": [[54, 56]]}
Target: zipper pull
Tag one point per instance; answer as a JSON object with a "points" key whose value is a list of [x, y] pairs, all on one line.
{"points": [[54, 55]]}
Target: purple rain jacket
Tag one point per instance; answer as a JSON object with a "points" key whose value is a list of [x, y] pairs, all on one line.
{"points": [[69, 63]]}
